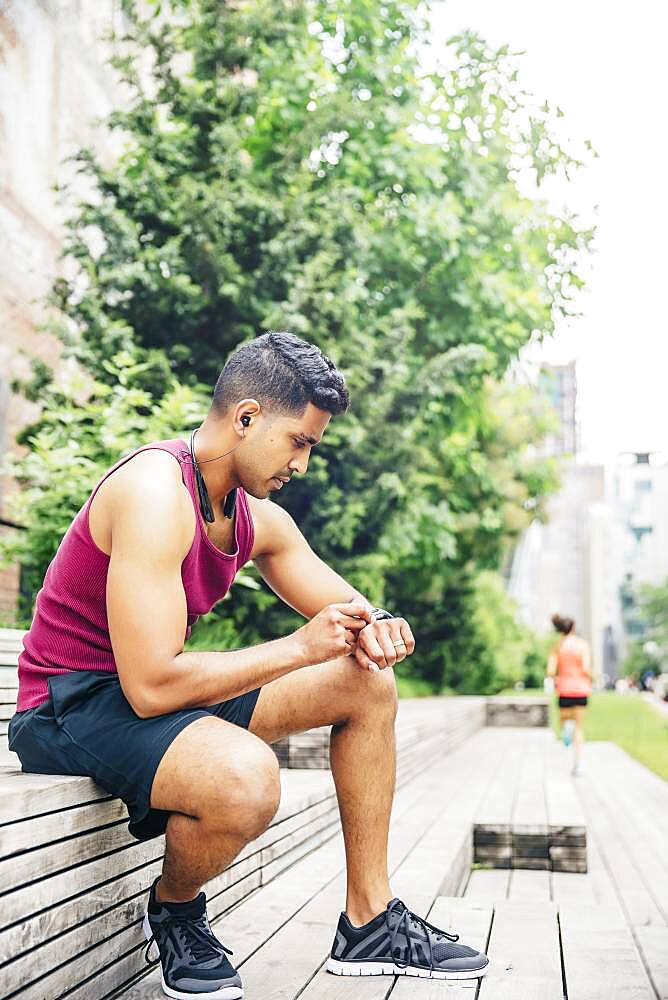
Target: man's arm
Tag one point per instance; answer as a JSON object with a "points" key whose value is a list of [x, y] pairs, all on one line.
{"points": [[147, 613], [306, 583], [291, 568]]}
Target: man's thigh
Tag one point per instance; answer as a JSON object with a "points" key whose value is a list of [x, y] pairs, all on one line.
{"points": [[209, 763], [321, 695]]}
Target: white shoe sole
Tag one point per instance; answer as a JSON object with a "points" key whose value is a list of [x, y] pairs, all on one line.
{"points": [[390, 969], [225, 993]]}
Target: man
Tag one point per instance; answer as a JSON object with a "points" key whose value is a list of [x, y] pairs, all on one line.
{"points": [[106, 688]]}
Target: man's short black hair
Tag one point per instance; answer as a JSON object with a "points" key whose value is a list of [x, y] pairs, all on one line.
{"points": [[284, 374]]}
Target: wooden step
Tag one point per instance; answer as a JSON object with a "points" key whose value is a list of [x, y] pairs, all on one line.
{"points": [[532, 818], [518, 711]]}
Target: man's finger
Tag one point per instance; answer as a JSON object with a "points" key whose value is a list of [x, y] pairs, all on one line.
{"points": [[353, 623], [355, 610], [407, 636], [372, 647], [365, 662], [390, 651]]}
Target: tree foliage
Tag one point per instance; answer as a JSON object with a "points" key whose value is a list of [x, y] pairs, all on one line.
{"points": [[314, 166]]}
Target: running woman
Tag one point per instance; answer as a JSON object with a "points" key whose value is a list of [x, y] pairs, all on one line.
{"points": [[569, 664]]}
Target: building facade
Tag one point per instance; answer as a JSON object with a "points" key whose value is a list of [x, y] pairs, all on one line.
{"points": [[53, 85]]}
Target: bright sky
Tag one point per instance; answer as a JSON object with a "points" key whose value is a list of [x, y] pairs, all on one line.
{"points": [[604, 63]]}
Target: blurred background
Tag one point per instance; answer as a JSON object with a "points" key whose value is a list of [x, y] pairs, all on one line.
{"points": [[462, 203]]}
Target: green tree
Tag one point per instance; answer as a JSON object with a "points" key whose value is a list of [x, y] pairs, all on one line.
{"points": [[296, 165]]}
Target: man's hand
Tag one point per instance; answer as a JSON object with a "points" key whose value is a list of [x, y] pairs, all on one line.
{"points": [[332, 632], [383, 643]]}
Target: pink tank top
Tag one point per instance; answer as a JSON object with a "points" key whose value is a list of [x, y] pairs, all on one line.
{"points": [[571, 680], [69, 630]]}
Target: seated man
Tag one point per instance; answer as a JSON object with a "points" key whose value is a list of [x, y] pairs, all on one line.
{"points": [[106, 689]]}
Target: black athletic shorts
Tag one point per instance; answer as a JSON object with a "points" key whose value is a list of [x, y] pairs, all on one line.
{"points": [[566, 701], [87, 726]]}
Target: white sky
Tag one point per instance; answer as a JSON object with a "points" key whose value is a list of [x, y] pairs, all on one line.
{"points": [[604, 64]]}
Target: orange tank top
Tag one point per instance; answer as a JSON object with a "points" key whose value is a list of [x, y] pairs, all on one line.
{"points": [[571, 679]]}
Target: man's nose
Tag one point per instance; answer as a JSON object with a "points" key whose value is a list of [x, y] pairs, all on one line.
{"points": [[299, 464]]}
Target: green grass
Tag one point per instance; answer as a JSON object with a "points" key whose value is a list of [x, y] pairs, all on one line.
{"points": [[626, 720]]}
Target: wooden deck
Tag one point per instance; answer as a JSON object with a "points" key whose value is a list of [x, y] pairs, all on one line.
{"points": [[73, 883], [550, 935]]}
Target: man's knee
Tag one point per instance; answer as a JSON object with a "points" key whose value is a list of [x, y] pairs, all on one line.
{"points": [[251, 795], [379, 692], [390, 693]]}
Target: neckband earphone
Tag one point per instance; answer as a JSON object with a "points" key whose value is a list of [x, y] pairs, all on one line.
{"points": [[204, 501]]}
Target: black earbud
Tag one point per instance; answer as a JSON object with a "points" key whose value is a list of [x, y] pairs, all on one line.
{"points": [[245, 421]]}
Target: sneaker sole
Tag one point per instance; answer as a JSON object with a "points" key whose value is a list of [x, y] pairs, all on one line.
{"points": [[224, 993], [390, 969]]}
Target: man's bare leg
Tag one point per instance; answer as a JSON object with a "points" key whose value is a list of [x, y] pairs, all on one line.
{"points": [[363, 761], [361, 706], [225, 784]]}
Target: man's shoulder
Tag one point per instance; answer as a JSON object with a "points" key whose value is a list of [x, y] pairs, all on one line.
{"points": [[152, 480], [151, 467]]}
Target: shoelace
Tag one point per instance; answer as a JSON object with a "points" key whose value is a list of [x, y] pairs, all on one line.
{"points": [[200, 941], [404, 924]]}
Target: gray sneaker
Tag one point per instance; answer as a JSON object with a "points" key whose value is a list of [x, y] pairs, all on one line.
{"points": [[399, 943], [193, 961]]}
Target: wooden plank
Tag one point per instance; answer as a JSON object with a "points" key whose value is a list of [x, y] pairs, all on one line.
{"points": [[601, 961], [595, 888], [26, 834], [529, 815], [487, 885], [529, 886], [564, 812], [18, 869], [637, 821], [631, 846], [524, 954], [653, 945], [627, 872], [23, 795]]}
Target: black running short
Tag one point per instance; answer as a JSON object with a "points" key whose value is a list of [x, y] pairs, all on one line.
{"points": [[87, 726], [566, 701]]}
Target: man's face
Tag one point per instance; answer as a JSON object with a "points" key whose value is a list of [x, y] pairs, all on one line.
{"points": [[279, 447]]}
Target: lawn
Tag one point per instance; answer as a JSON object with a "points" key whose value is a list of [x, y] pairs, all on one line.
{"points": [[624, 719]]}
